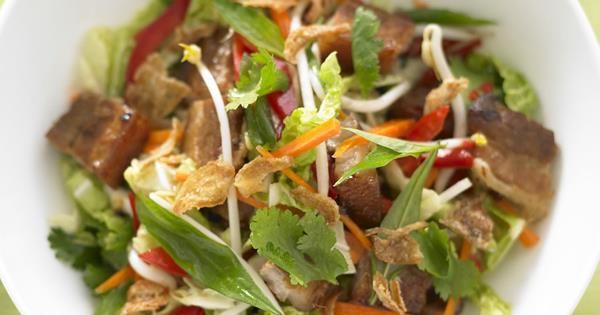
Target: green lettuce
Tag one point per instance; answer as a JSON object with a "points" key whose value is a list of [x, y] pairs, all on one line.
{"points": [[365, 49], [304, 247], [489, 302], [445, 17], [507, 228], [259, 76], [111, 302]]}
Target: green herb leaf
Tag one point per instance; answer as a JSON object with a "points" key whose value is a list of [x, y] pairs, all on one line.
{"points": [[489, 302], [406, 208], [260, 125], [252, 24], [445, 17], [95, 274], [111, 302], [259, 76], [70, 250], [507, 228], [365, 48], [451, 276], [206, 258], [387, 150], [304, 247]]}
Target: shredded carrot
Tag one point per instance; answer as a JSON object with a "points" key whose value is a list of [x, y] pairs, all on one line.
{"points": [[342, 115], [352, 309], [528, 238], [251, 201], [356, 249], [357, 232], [450, 307], [286, 171], [310, 139], [181, 176], [157, 137], [115, 280], [393, 128], [465, 250], [282, 19], [433, 174]]}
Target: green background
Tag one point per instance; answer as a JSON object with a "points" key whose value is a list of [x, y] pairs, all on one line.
{"points": [[588, 305]]}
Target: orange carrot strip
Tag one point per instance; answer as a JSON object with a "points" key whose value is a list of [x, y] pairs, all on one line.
{"points": [[286, 171], [393, 128], [180, 176], [157, 137], [356, 249], [354, 309], [431, 177], [357, 232], [282, 19], [450, 307], [310, 139], [528, 238], [115, 280], [465, 250], [251, 201]]}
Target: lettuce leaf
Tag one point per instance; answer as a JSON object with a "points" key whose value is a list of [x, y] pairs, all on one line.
{"points": [[519, 95], [365, 48], [259, 76], [451, 276], [489, 302], [304, 247], [507, 228]]}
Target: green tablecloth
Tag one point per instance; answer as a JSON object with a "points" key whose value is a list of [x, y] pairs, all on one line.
{"points": [[590, 303]]}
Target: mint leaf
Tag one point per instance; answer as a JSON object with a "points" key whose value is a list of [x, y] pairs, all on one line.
{"points": [[259, 76], [451, 276], [387, 150], [304, 247], [445, 17], [365, 48]]}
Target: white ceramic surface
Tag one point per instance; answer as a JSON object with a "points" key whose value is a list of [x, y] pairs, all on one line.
{"points": [[549, 40]]}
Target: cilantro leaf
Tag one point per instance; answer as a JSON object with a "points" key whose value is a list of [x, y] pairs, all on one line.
{"points": [[259, 76], [451, 276], [365, 48], [304, 247], [387, 150], [111, 302], [70, 250]]}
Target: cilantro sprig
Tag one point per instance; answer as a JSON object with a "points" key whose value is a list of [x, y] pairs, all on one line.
{"points": [[365, 48]]}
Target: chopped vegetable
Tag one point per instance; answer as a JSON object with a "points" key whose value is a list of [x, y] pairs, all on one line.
{"points": [[406, 208], [450, 307], [489, 302], [310, 139], [287, 172], [187, 310], [342, 308], [393, 128], [365, 48], [528, 237], [259, 76], [112, 302], [357, 232], [519, 95], [451, 277], [387, 150], [158, 137], [445, 17], [123, 275], [206, 258], [430, 125], [151, 36], [507, 228], [159, 258], [304, 247], [260, 125], [252, 24], [282, 19], [357, 250]]}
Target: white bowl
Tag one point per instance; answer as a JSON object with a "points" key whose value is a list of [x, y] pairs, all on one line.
{"points": [[550, 41]]}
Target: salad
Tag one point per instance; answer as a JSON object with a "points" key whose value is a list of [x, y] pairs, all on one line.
{"points": [[298, 157]]}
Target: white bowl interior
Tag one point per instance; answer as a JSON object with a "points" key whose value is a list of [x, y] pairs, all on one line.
{"points": [[549, 41]]}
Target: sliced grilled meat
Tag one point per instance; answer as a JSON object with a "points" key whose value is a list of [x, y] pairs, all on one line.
{"points": [[102, 134]]}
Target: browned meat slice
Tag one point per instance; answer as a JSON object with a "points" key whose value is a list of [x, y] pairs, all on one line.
{"points": [[469, 220], [217, 56], [362, 283], [517, 160], [302, 298], [414, 285], [102, 134], [153, 92], [361, 194], [202, 138], [396, 33]]}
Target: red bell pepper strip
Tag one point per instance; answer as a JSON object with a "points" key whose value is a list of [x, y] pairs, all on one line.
{"points": [[136, 219], [150, 37], [425, 129], [455, 158], [160, 258], [240, 47], [187, 310]]}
